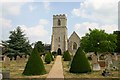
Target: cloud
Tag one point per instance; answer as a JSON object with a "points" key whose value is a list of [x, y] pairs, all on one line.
{"points": [[37, 32], [12, 7], [43, 22], [31, 8], [103, 11], [5, 23], [16, 1], [84, 27], [46, 5]]}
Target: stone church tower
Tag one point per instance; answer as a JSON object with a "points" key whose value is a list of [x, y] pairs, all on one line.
{"points": [[59, 34]]}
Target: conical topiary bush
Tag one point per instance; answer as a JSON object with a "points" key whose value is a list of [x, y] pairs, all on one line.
{"points": [[80, 63], [66, 56], [35, 64], [48, 58], [51, 56]]}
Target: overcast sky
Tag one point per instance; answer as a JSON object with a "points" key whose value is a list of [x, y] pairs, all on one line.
{"points": [[35, 18]]}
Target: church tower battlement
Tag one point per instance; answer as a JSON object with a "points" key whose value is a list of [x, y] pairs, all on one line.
{"points": [[59, 20]]}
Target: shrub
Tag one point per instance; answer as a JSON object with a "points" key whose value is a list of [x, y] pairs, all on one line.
{"points": [[51, 56], [48, 58], [80, 63], [54, 54], [66, 56], [35, 64]]}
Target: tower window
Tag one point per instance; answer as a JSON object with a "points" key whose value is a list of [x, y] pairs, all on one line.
{"points": [[59, 39], [74, 46], [59, 22]]}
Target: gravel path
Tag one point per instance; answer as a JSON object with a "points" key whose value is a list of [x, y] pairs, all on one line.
{"points": [[57, 70]]}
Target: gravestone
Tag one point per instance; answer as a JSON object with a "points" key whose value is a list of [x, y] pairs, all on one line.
{"points": [[6, 75], [115, 62], [105, 73], [1, 76], [6, 62], [96, 66], [109, 62]]}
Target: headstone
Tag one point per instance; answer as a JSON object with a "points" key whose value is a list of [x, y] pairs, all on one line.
{"points": [[6, 62], [18, 59], [115, 62], [95, 63], [1, 76], [109, 61], [105, 73], [6, 75]]}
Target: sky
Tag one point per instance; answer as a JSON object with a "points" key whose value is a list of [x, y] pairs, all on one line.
{"points": [[36, 17]]}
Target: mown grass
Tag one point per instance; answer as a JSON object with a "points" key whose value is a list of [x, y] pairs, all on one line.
{"points": [[93, 74], [16, 69]]}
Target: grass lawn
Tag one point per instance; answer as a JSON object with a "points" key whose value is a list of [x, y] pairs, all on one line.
{"points": [[95, 74], [16, 68]]}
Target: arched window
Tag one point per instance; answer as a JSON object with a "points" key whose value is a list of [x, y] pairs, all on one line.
{"points": [[59, 39], [74, 45], [59, 22]]}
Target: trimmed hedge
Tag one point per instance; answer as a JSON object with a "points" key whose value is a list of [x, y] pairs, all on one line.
{"points": [[80, 63], [35, 64], [66, 56], [48, 58]]}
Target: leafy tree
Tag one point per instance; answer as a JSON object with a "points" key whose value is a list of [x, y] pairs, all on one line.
{"points": [[40, 46], [98, 41], [48, 58], [17, 43], [80, 63], [35, 64], [66, 56], [51, 56], [118, 41]]}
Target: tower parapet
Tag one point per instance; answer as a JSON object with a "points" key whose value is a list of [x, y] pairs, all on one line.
{"points": [[60, 16]]}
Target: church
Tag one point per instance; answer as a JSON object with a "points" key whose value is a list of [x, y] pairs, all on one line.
{"points": [[59, 39]]}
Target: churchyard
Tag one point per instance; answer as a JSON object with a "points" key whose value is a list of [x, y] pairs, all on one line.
{"points": [[93, 74], [39, 63], [16, 67]]}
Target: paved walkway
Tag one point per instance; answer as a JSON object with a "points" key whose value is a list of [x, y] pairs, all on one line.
{"points": [[57, 70]]}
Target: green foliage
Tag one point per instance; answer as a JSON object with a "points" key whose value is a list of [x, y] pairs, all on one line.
{"points": [[51, 56], [40, 46], [118, 41], [35, 64], [54, 54], [80, 63], [17, 43], [48, 58], [66, 56], [98, 41]]}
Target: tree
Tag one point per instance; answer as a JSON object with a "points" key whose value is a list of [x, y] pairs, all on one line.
{"points": [[40, 46], [48, 58], [51, 56], [17, 43], [35, 64], [98, 41], [118, 41], [80, 63], [66, 56]]}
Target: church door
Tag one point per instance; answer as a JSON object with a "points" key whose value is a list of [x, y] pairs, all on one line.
{"points": [[59, 51]]}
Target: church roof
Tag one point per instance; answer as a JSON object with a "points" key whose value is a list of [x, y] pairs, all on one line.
{"points": [[74, 33]]}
